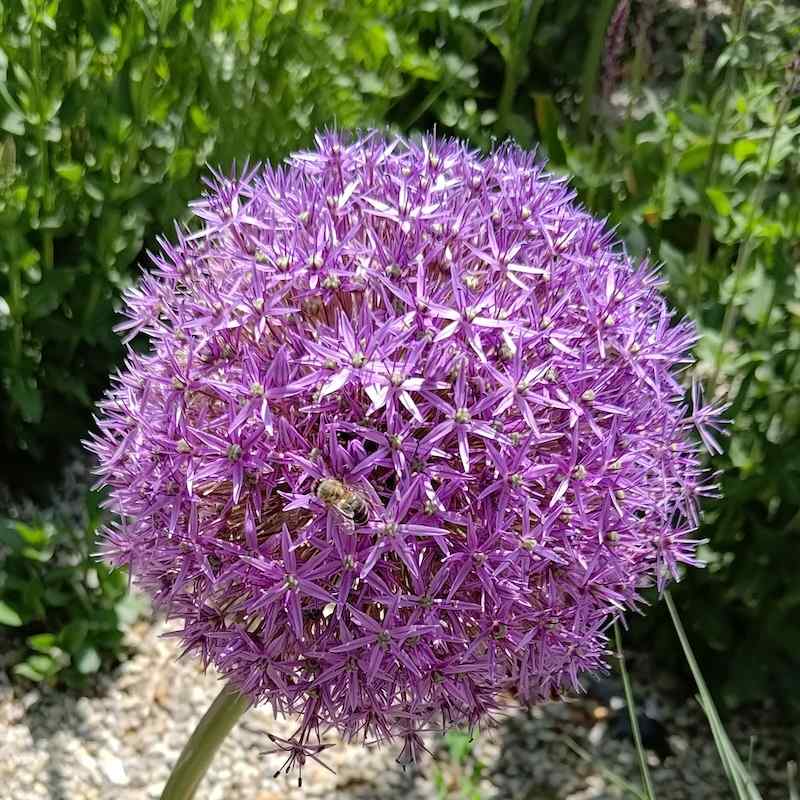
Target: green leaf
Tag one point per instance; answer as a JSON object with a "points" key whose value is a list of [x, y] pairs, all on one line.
{"points": [[8, 616], [25, 394], [200, 119], [182, 162], [34, 535], [148, 14], [42, 664], [42, 642], [547, 121], [9, 535], [93, 190], [25, 670], [14, 123], [460, 745], [8, 158], [73, 634], [166, 12], [70, 171], [759, 302], [720, 201], [46, 297], [87, 660], [744, 148], [55, 597], [656, 106], [130, 608], [42, 555], [694, 157]]}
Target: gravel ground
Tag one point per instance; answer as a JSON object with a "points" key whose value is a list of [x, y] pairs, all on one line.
{"points": [[121, 742]]}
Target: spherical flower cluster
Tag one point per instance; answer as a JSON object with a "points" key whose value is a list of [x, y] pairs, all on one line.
{"points": [[408, 436]]}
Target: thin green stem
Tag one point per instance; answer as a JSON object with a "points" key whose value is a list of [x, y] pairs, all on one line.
{"points": [[253, 58], [746, 247], [520, 39], [17, 310], [740, 780], [41, 140], [612, 776], [591, 66], [595, 160], [629, 702], [203, 744], [704, 234], [694, 58], [509, 87], [437, 91], [692, 64], [791, 779], [750, 751], [638, 76]]}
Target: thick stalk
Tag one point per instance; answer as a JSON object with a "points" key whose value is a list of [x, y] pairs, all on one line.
{"points": [[203, 744]]}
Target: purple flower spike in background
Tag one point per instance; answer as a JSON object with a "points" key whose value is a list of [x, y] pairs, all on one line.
{"points": [[409, 437]]}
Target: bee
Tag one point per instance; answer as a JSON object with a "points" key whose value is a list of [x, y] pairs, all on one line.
{"points": [[348, 503]]}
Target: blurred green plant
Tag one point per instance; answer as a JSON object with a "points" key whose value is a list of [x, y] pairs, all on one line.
{"points": [[62, 612], [109, 113], [461, 777], [716, 155]]}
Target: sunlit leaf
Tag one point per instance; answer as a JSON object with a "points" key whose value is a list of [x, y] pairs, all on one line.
{"points": [[9, 616]]}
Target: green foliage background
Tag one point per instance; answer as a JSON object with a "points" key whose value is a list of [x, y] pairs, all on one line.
{"points": [[109, 112]]}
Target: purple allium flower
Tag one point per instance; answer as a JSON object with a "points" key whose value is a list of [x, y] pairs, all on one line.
{"points": [[408, 436]]}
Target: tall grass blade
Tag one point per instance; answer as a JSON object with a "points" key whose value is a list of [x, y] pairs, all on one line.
{"points": [[742, 784], [637, 736], [612, 776]]}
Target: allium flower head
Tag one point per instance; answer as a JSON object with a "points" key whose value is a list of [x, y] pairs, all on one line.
{"points": [[408, 436]]}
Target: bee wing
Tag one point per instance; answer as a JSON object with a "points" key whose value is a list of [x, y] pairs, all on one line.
{"points": [[369, 494]]}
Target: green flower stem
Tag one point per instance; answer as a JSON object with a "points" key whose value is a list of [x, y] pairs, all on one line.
{"points": [[203, 744], [637, 736]]}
